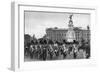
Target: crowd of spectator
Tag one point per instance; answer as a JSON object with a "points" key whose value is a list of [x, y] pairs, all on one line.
{"points": [[49, 50]]}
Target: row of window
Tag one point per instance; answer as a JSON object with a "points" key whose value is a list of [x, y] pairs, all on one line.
{"points": [[53, 34], [60, 36]]}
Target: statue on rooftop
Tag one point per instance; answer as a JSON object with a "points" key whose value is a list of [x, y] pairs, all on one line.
{"points": [[71, 16]]}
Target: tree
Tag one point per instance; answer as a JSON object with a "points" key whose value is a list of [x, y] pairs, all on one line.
{"points": [[27, 39], [45, 41], [75, 42], [64, 41], [50, 42]]}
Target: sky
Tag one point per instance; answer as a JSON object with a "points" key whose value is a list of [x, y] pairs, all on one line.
{"points": [[37, 22]]}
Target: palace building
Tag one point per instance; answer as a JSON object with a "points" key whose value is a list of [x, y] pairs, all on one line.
{"points": [[70, 34], [56, 34]]}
